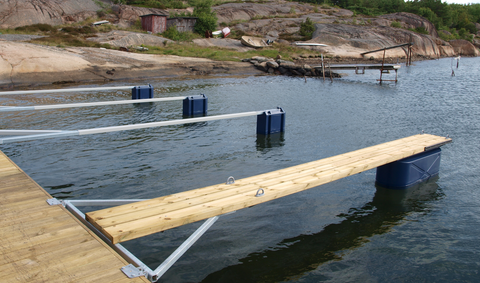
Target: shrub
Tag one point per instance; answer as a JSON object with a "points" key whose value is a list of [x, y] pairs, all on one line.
{"points": [[462, 33], [421, 30], [36, 28], [307, 28], [445, 35], [79, 30], [173, 34], [396, 24], [470, 27]]}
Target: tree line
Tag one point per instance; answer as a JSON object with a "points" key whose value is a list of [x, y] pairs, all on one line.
{"points": [[449, 17]]}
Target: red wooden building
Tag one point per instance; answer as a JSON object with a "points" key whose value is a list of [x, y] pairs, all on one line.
{"points": [[155, 23]]}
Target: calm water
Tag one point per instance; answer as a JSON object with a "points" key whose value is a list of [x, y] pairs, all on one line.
{"points": [[345, 231]]}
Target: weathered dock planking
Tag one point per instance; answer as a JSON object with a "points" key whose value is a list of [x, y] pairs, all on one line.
{"points": [[139, 219], [385, 67], [44, 243]]}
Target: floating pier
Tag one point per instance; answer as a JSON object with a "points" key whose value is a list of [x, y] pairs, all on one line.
{"points": [[136, 220], [43, 240], [44, 243]]}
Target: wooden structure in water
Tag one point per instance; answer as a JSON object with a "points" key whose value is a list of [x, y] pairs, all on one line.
{"points": [[126, 222], [45, 243], [41, 240], [408, 52], [360, 68]]}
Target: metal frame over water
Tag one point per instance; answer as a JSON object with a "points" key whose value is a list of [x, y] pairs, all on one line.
{"points": [[32, 135], [136, 268]]}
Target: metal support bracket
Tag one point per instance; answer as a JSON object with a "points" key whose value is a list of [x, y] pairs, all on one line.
{"points": [[54, 201], [136, 268], [132, 272]]}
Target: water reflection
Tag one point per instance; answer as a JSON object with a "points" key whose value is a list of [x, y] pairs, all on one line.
{"points": [[295, 256], [144, 112], [270, 141]]}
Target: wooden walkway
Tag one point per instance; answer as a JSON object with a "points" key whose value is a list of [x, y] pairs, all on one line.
{"points": [[43, 243], [135, 220], [386, 67]]}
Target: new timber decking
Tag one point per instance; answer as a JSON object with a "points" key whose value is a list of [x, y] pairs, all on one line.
{"points": [[138, 219], [44, 243]]}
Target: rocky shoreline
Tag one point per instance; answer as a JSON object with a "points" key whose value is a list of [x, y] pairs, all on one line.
{"points": [[343, 35], [288, 68], [26, 65]]}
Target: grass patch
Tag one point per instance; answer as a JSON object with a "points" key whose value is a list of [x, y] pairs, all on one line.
{"points": [[220, 54], [37, 28], [63, 40], [420, 30], [396, 24]]}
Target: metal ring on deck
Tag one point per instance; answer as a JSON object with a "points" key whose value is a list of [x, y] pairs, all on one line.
{"points": [[230, 180], [259, 194]]}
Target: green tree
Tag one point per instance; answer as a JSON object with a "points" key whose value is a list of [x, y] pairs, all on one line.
{"points": [[207, 19], [307, 28]]}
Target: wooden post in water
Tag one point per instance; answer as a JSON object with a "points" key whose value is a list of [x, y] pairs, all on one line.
{"points": [[330, 70], [409, 57], [383, 62], [323, 69], [407, 53]]}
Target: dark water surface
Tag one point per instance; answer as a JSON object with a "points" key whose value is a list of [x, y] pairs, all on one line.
{"points": [[345, 231]]}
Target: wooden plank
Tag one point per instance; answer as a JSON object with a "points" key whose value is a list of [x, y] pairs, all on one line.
{"points": [[164, 204], [212, 194], [389, 67], [131, 221], [43, 243], [267, 177]]}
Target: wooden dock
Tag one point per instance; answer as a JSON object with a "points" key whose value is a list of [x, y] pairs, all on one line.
{"points": [[385, 67], [44, 243], [126, 222]]}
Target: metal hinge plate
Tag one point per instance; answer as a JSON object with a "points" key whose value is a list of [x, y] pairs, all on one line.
{"points": [[131, 271], [53, 201]]}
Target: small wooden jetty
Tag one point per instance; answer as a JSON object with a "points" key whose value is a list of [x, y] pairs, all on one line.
{"points": [[45, 243], [359, 67], [130, 221]]}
